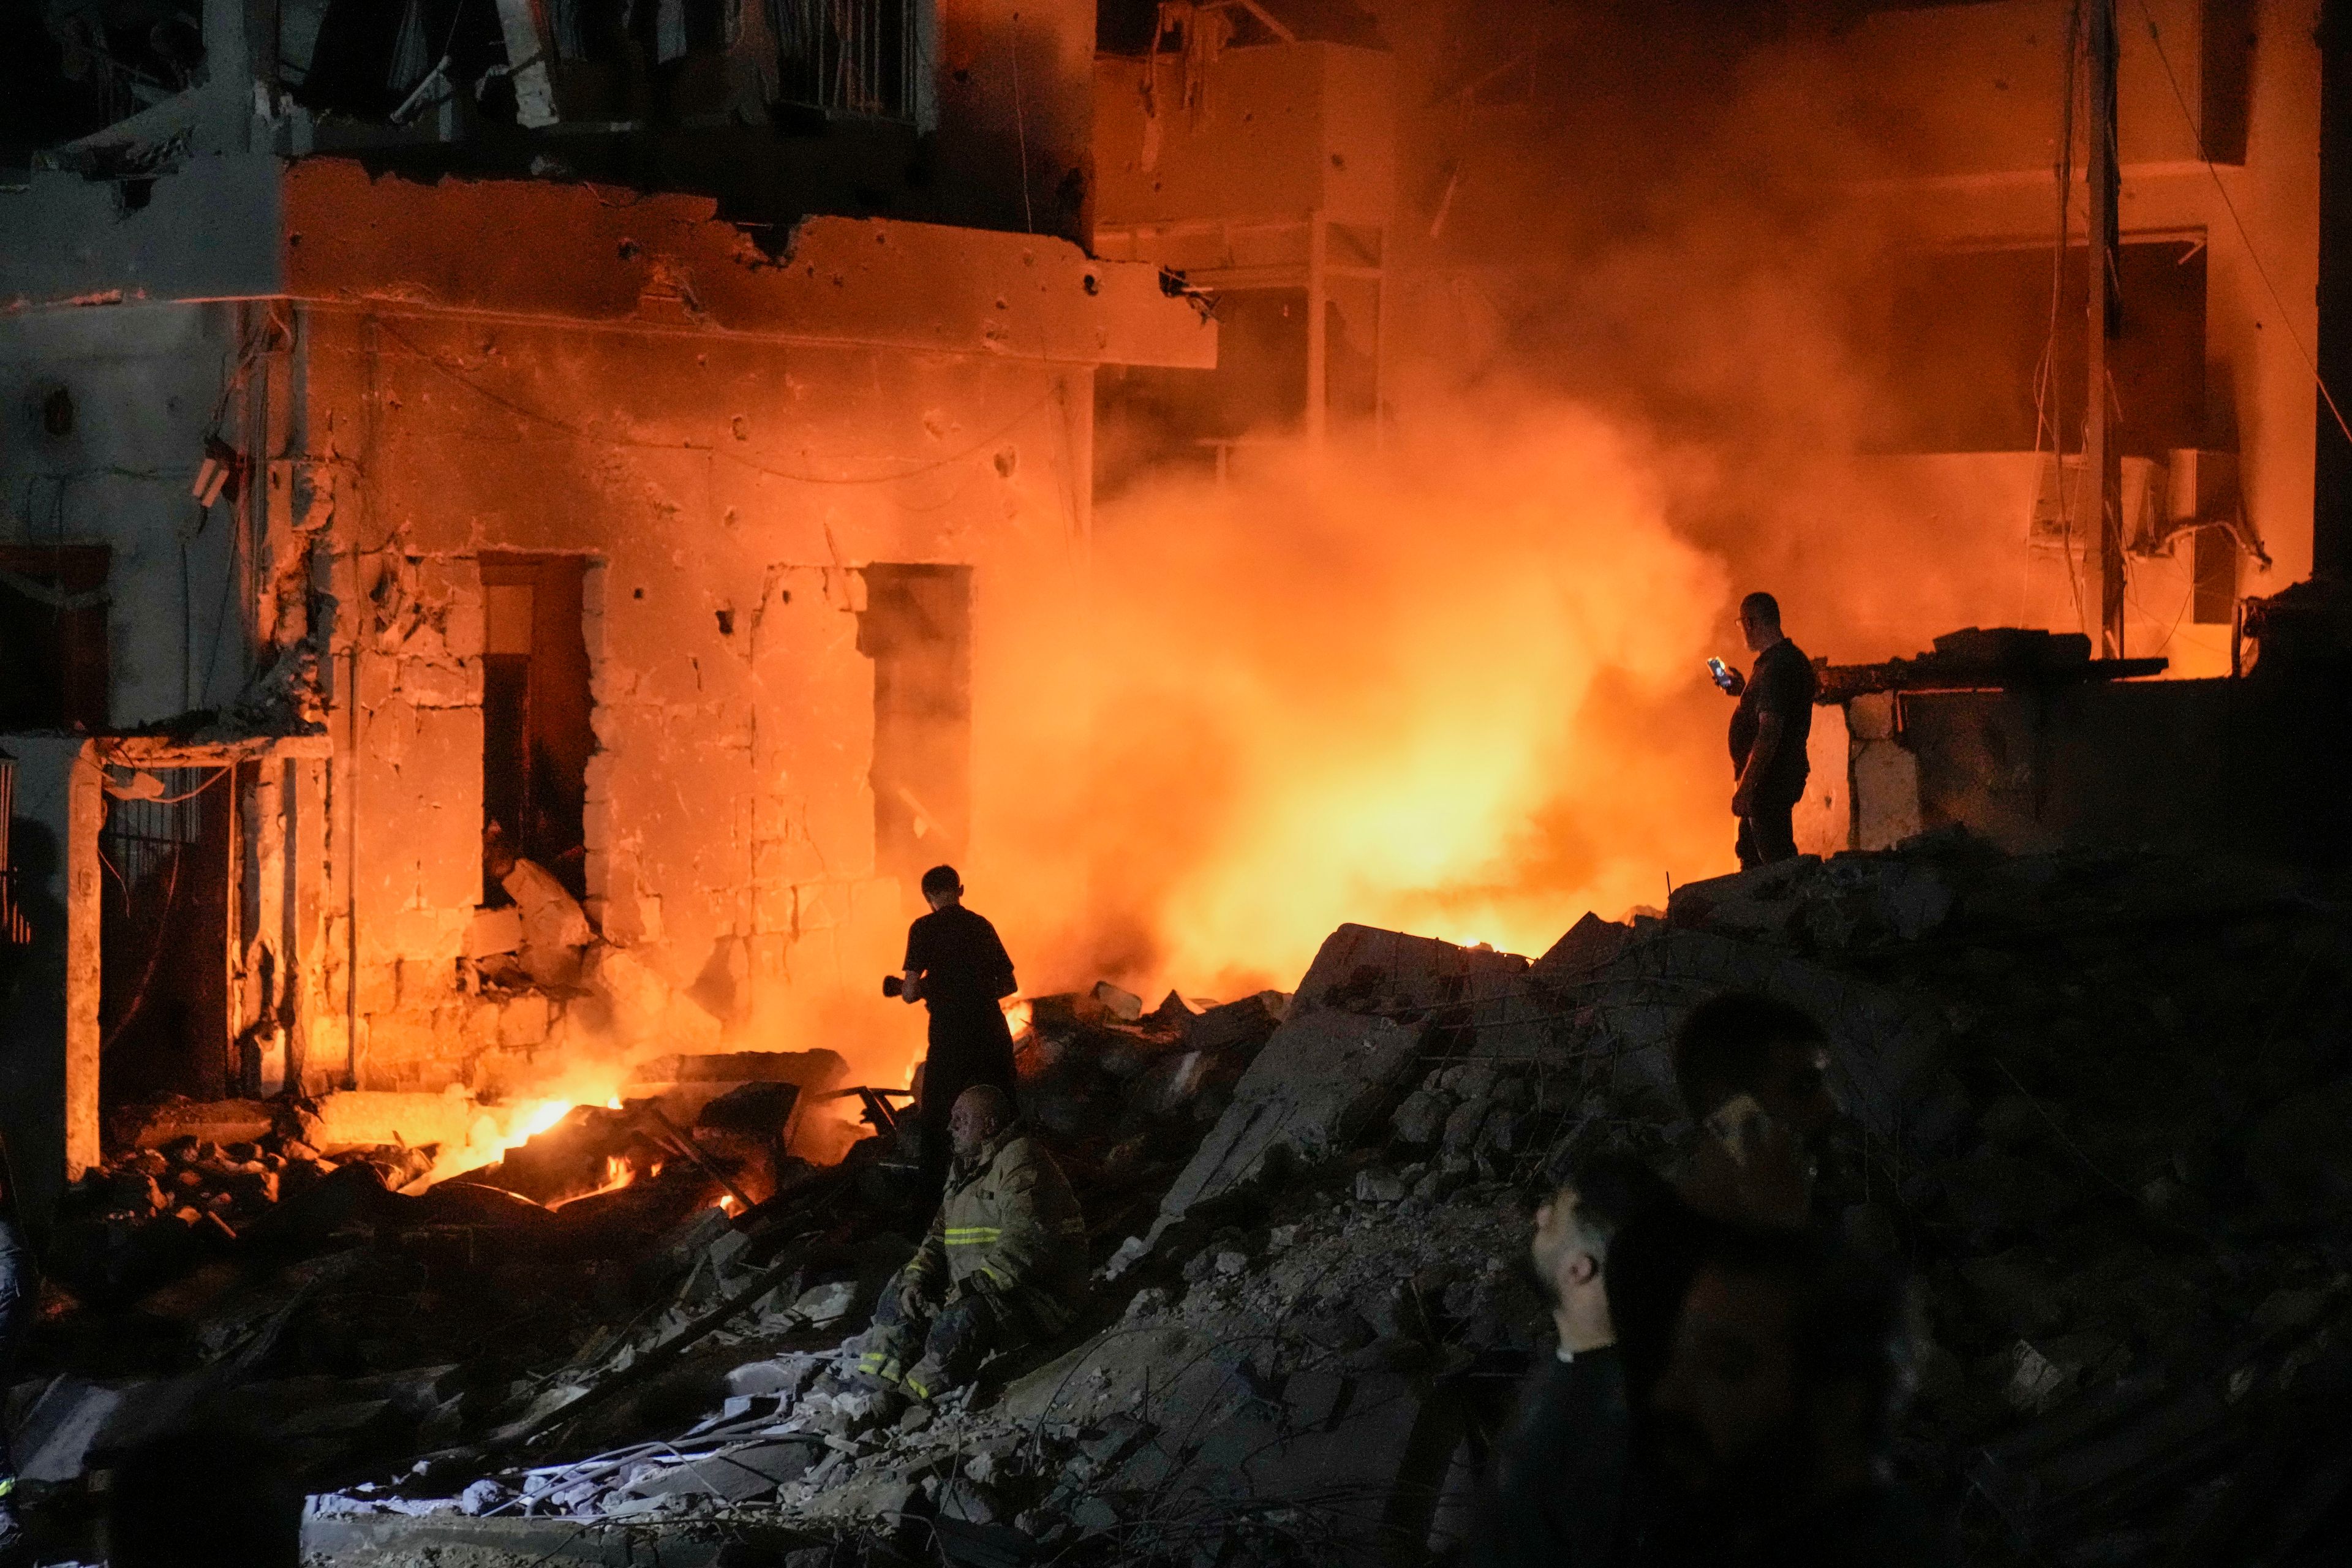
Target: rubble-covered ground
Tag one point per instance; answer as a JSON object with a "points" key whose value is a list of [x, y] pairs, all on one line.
{"points": [[2101, 1106]]}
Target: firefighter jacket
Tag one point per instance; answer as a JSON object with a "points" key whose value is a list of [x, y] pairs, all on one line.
{"points": [[1009, 1226]]}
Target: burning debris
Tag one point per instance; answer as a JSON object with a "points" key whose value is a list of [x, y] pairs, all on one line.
{"points": [[2091, 1105]]}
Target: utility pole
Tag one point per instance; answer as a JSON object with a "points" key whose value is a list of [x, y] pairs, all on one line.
{"points": [[2100, 464]]}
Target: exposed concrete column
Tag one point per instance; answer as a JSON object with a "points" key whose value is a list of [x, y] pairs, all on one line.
{"points": [[86, 814]]}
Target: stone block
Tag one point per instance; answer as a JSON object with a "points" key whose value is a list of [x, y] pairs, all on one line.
{"points": [[493, 932], [360, 1118], [1422, 1118], [1124, 1005], [1163, 1088], [1242, 1026], [524, 1020]]}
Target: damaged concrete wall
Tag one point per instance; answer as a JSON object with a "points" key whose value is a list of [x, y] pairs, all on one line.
{"points": [[726, 495], [111, 461], [724, 436], [2248, 766], [1016, 137]]}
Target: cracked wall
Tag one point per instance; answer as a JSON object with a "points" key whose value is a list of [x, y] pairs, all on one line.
{"points": [[727, 496]]}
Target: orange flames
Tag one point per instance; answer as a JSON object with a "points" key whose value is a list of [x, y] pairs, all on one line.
{"points": [[1440, 687]]}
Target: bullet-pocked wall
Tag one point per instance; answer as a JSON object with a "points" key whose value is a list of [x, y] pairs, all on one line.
{"points": [[727, 498]]}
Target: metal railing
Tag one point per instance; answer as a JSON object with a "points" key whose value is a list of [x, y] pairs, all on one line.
{"points": [[853, 57]]}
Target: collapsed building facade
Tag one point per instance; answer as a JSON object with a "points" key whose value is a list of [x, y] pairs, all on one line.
{"points": [[667, 544], [637, 449]]}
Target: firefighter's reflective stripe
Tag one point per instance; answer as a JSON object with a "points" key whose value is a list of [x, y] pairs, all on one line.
{"points": [[974, 1234], [882, 1365]]}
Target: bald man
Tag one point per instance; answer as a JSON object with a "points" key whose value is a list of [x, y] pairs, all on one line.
{"points": [[1004, 1262]]}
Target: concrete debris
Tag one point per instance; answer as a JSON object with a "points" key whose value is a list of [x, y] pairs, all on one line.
{"points": [[2094, 1100]]}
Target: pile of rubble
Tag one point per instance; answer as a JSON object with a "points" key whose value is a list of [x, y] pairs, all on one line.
{"points": [[2096, 1106]]}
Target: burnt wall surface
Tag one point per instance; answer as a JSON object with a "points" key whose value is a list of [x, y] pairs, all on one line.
{"points": [[2253, 766], [105, 413], [726, 497]]}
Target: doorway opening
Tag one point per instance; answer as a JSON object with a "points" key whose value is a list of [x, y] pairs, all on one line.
{"points": [[163, 864], [536, 734], [917, 628]]}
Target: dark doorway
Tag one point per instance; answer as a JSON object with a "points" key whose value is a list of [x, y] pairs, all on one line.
{"points": [[163, 1007], [536, 736], [917, 628], [53, 664]]}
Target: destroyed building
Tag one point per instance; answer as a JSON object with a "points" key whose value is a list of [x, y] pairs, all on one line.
{"points": [[662, 528], [526, 527]]}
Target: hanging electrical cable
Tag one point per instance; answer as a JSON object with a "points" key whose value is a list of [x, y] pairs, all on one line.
{"points": [[2286, 318]]}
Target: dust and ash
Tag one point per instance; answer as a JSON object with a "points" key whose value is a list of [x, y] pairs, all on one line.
{"points": [[1450, 679]]}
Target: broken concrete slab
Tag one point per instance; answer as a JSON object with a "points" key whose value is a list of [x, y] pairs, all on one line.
{"points": [[63, 1424], [1359, 969], [1887, 1050], [207, 1121], [1242, 1026], [734, 1474], [1319, 1081], [385, 1541], [1591, 943], [367, 1119]]}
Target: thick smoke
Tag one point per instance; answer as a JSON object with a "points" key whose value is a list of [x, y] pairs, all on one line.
{"points": [[1449, 677], [1397, 684]]}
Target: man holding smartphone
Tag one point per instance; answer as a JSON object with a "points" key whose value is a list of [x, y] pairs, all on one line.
{"points": [[1769, 734], [956, 964]]}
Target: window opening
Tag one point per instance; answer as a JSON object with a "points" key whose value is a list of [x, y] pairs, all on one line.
{"points": [[53, 653]]}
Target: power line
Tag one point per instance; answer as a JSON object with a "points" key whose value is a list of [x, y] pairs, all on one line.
{"points": [[2286, 318]]}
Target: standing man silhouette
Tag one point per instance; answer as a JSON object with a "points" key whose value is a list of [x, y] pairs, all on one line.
{"points": [[958, 967], [1769, 732]]}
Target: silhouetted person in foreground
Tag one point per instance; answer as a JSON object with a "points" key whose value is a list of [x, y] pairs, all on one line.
{"points": [[1770, 1432], [1003, 1264], [203, 1498], [1769, 734], [958, 967], [1557, 1497], [1753, 1073]]}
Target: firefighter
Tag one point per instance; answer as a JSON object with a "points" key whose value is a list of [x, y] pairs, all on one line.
{"points": [[1004, 1263]]}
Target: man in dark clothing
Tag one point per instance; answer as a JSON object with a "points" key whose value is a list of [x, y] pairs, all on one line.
{"points": [[957, 965], [1753, 1072], [1769, 734], [1557, 1498], [1770, 1431]]}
